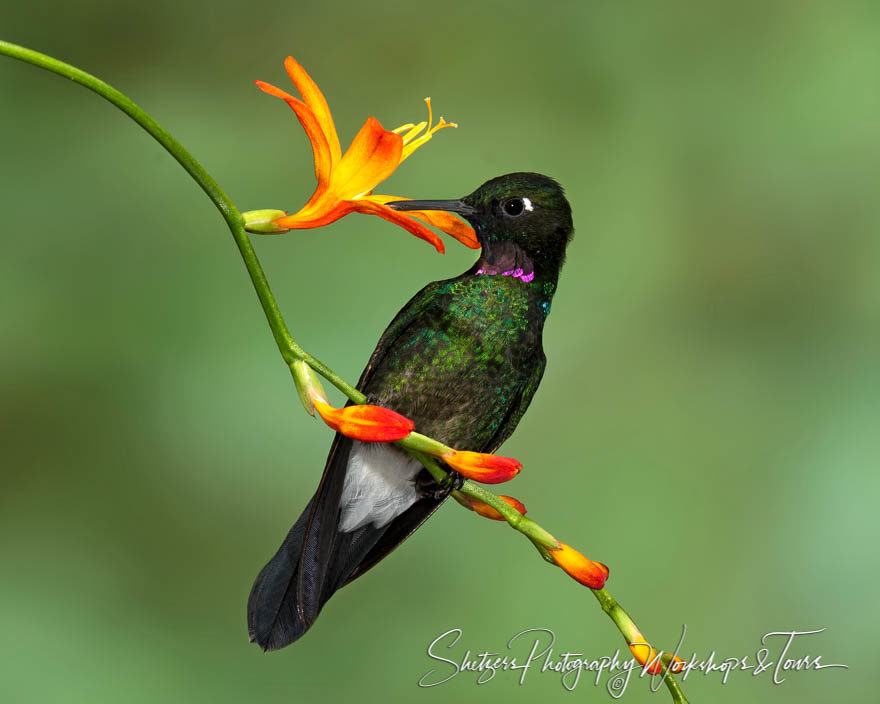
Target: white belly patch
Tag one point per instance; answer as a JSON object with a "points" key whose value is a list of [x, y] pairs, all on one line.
{"points": [[379, 486]]}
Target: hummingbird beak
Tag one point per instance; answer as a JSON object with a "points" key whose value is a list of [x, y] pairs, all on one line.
{"points": [[451, 206]]}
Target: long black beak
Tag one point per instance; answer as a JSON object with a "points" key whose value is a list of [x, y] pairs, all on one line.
{"points": [[452, 206]]}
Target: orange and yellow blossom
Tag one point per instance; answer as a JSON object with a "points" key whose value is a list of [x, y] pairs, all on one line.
{"points": [[346, 181], [649, 658], [588, 572]]}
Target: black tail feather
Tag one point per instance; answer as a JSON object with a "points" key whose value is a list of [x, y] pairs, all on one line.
{"points": [[316, 559], [273, 618]]}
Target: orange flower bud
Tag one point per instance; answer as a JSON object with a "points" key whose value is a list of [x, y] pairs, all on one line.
{"points": [[485, 509], [483, 467], [645, 654], [365, 422], [589, 573], [676, 665]]}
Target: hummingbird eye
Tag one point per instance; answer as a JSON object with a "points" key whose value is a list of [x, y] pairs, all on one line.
{"points": [[513, 207]]}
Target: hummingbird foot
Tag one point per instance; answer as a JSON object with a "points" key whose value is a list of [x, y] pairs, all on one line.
{"points": [[453, 482], [427, 486]]}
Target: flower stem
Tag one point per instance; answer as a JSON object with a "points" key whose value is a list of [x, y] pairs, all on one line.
{"points": [[290, 350], [628, 629]]}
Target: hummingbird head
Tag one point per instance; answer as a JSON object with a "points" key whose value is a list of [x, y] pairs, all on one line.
{"points": [[523, 211]]}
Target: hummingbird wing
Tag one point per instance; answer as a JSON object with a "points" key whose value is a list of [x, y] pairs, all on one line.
{"points": [[516, 411]]}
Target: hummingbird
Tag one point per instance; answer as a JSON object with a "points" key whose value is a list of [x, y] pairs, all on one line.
{"points": [[462, 359]]}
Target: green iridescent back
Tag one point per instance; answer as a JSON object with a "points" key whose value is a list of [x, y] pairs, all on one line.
{"points": [[463, 358]]}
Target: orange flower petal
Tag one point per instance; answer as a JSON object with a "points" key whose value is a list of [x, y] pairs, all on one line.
{"points": [[482, 467], [371, 158], [364, 205], [589, 573], [365, 422], [315, 99], [451, 225], [317, 215], [446, 222], [487, 511], [313, 130]]}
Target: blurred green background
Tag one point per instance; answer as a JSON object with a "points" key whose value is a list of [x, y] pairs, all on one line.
{"points": [[707, 424]]}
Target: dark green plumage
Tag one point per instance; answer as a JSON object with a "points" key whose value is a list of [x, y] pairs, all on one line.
{"points": [[462, 359]]}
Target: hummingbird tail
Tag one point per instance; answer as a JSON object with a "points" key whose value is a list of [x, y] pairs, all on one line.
{"points": [[322, 553], [273, 617]]}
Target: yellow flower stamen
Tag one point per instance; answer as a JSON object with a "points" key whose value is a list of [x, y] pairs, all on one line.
{"points": [[412, 139], [413, 132]]}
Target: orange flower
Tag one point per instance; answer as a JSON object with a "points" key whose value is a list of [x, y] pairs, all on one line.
{"points": [[485, 509], [346, 181], [482, 467], [589, 573], [648, 657], [676, 665], [645, 654], [365, 422]]}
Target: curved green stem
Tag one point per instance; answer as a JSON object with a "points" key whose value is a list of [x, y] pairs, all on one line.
{"points": [[290, 350], [628, 629]]}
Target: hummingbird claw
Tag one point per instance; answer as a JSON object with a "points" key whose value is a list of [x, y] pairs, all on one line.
{"points": [[428, 487], [373, 400], [453, 482]]}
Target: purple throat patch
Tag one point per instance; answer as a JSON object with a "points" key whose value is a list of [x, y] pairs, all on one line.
{"points": [[515, 273]]}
